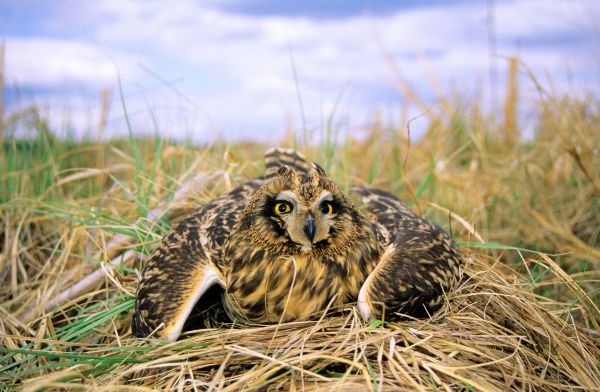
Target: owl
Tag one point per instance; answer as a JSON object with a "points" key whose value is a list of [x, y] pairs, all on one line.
{"points": [[288, 246]]}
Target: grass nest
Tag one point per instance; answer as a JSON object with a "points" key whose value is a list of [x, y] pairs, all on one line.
{"points": [[493, 333]]}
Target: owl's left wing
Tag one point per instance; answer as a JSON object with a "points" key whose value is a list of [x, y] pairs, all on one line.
{"points": [[420, 263]]}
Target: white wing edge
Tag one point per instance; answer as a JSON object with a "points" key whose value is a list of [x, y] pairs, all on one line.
{"points": [[211, 277], [364, 302]]}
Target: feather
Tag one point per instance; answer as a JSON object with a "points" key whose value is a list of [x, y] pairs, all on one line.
{"points": [[278, 157], [420, 263]]}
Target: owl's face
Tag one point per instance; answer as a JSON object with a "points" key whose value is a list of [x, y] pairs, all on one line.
{"points": [[301, 213], [306, 222]]}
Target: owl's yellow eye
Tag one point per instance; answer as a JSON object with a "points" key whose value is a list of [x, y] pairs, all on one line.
{"points": [[283, 208], [327, 208]]}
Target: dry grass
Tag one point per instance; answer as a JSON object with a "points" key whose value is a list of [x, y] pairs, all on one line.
{"points": [[525, 317]]}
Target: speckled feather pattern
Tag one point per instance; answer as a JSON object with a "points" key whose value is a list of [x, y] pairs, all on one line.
{"points": [[421, 263], [389, 260], [180, 261]]}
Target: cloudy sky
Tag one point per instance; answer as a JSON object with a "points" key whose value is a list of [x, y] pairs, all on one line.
{"points": [[249, 69]]}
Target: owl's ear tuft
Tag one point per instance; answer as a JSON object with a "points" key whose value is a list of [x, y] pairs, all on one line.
{"points": [[320, 171]]}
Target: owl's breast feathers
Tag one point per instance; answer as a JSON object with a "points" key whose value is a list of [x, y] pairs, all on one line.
{"points": [[264, 285]]}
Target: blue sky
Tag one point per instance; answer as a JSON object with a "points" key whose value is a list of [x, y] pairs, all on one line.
{"points": [[234, 69]]}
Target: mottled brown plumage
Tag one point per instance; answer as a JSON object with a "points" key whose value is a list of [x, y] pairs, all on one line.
{"points": [[290, 244], [420, 263], [274, 271]]}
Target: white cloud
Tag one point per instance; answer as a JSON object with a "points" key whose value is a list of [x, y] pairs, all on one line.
{"points": [[541, 18], [237, 71], [46, 62]]}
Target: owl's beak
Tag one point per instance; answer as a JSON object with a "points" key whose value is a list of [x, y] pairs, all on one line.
{"points": [[310, 229]]}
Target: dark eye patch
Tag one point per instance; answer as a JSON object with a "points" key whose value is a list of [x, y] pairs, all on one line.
{"points": [[269, 208], [336, 206], [327, 207], [277, 224], [277, 208]]}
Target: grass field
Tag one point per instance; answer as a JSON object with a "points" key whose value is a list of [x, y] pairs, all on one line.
{"points": [[79, 217]]}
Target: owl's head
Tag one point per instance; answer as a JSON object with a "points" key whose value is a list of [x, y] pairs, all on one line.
{"points": [[299, 213]]}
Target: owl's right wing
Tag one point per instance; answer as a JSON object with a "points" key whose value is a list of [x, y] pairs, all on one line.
{"points": [[420, 263], [185, 265]]}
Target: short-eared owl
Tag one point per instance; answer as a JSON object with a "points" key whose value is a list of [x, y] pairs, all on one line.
{"points": [[288, 245]]}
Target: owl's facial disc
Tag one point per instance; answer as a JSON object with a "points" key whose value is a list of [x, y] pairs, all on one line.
{"points": [[306, 223]]}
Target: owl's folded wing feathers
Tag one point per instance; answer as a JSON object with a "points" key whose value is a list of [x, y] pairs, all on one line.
{"points": [[420, 263], [185, 265]]}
